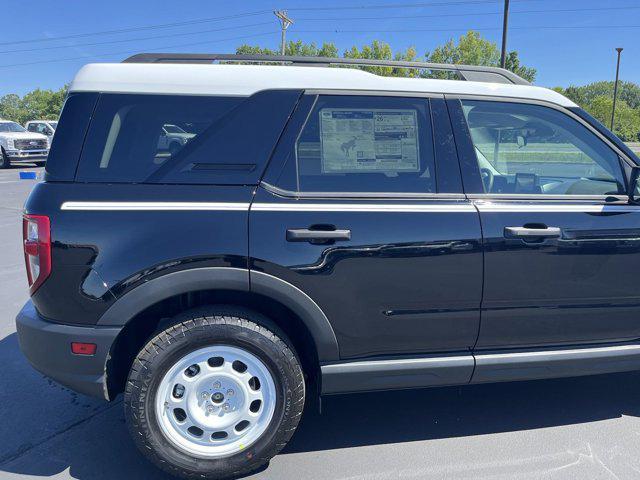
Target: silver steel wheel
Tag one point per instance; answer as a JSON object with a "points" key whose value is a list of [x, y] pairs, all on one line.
{"points": [[215, 401]]}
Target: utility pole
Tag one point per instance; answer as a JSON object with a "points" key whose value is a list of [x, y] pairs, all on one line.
{"points": [[285, 22], [505, 25], [615, 89]]}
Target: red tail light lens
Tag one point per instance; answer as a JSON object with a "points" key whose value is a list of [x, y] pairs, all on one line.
{"points": [[36, 234], [79, 348]]}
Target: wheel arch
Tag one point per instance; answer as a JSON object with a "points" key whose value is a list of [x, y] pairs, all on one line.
{"points": [[149, 308]]}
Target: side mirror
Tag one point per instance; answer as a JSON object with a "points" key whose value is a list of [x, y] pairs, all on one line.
{"points": [[634, 185]]}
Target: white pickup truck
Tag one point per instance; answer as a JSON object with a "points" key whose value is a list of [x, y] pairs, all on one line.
{"points": [[173, 138], [45, 127], [17, 145]]}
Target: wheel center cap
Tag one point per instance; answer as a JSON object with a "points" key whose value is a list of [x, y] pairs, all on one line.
{"points": [[217, 397]]}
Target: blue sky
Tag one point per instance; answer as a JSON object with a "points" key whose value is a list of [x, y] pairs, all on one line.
{"points": [[569, 42]]}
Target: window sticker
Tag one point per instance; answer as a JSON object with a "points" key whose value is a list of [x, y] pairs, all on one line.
{"points": [[369, 140]]}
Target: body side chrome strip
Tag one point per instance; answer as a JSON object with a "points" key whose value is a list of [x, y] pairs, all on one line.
{"points": [[150, 206], [275, 207], [345, 207], [510, 207], [361, 207]]}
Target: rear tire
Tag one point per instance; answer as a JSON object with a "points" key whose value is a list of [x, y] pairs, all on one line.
{"points": [[222, 371]]}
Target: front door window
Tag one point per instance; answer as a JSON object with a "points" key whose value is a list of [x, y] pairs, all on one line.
{"points": [[532, 149]]}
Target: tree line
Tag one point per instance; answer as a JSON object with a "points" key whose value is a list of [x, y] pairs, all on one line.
{"points": [[470, 49]]}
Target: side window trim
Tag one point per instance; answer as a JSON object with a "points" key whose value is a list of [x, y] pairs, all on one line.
{"points": [[299, 119], [464, 142], [374, 195]]}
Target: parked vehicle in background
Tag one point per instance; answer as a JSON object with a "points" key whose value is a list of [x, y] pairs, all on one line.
{"points": [[45, 127], [173, 138], [17, 145], [326, 230]]}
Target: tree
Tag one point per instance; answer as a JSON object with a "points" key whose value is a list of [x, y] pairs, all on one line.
{"points": [[513, 64], [37, 104], [472, 49], [382, 51], [585, 95], [597, 99], [298, 48], [627, 120], [10, 107]]}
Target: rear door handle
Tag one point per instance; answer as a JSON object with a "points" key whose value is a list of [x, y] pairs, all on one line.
{"points": [[307, 235], [527, 232]]}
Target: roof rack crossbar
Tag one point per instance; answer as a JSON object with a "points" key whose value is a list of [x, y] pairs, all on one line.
{"points": [[464, 72]]}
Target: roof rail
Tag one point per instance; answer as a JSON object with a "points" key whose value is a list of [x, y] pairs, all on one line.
{"points": [[464, 72]]}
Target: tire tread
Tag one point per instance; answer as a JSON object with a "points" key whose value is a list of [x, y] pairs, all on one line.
{"points": [[138, 386]]}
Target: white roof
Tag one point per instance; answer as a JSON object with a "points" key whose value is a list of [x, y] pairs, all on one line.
{"points": [[244, 80]]}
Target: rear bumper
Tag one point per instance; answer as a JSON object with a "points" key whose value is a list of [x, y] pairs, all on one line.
{"points": [[47, 346]]}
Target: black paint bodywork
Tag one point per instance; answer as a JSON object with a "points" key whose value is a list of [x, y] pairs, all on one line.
{"points": [[406, 283]]}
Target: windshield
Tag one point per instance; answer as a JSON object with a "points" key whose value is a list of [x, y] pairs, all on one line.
{"points": [[173, 129], [11, 127]]}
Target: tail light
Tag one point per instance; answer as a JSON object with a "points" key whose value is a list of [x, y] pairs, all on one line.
{"points": [[36, 233]]}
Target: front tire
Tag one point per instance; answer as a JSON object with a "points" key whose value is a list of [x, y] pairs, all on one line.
{"points": [[4, 159], [216, 395]]}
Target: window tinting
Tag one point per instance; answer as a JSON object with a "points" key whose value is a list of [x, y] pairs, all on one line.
{"points": [[183, 139], [365, 144], [66, 146], [128, 141], [531, 149]]}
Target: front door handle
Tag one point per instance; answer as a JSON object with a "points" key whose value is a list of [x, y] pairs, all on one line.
{"points": [[307, 235], [528, 232]]}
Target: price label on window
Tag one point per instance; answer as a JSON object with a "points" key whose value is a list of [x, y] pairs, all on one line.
{"points": [[364, 140]]}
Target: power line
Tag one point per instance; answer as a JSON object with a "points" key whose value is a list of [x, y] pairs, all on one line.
{"points": [[138, 39], [261, 12], [135, 29], [129, 52], [405, 5], [403, 30], [439, 15], [229, 17], [169, 47], [240, 15]]}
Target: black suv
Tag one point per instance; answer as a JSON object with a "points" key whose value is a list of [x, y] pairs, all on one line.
{"points": [[319, 231]]}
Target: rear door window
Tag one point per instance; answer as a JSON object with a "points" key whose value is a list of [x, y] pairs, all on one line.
{"points": [[364, 144]]}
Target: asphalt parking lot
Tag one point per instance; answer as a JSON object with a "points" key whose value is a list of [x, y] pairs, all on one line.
{"points": [[585, 428]]}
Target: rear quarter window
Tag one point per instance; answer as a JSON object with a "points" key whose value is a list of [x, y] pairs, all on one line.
{"points": [[66, 147], [136, 138]]}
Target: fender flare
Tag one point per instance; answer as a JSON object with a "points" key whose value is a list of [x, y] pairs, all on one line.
{"points": [[228, 278]]}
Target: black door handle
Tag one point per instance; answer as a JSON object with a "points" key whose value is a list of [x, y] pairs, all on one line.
{"points": [[307, 235]]}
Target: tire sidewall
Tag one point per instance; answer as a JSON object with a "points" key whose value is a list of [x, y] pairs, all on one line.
{"points": [[4, 159], [193, 338]]}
